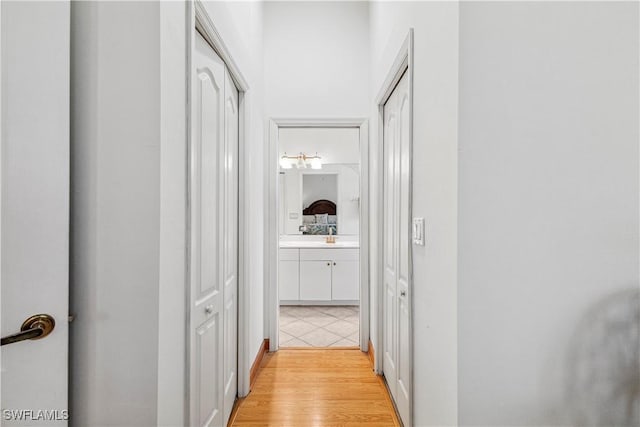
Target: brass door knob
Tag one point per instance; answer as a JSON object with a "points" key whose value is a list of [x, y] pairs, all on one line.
{"points": [[34, 328]]}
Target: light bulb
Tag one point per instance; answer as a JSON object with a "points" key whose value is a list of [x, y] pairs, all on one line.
{"points": [[285, 163], [316, 163]]}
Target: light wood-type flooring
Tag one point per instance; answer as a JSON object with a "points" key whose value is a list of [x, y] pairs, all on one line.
{"points": [[316, 387]]}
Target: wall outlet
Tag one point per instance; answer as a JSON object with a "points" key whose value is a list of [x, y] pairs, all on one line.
{"points": [[418, 231]]}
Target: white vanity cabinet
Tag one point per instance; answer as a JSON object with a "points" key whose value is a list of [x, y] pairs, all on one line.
{"points": [[289, 274], [329, 274], [320, 275]]}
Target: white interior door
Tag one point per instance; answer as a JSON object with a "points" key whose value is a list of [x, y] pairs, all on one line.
{"points": [[35, 209], [214, 239], [206, 187], [396, 250], [230, 252]]}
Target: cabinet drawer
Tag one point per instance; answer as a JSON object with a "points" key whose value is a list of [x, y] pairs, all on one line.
{"points": [[289, 254], [349, 254]]}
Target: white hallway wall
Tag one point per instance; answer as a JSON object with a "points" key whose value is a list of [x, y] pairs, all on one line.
{"points": [[434, 190], [548, 204], [116, 198], [128, 198], [316, 59]]}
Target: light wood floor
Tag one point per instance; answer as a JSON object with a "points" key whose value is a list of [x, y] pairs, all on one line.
{"points": [[316, 387]]}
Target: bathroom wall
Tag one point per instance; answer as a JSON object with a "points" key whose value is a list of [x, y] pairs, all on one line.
{"points": [[333, 145], [319, 186]]}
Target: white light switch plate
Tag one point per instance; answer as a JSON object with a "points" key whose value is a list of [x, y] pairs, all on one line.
{"points": [[418, 231]]}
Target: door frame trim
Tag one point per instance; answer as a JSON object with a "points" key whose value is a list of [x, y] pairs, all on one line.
{"points": [[198, 20], [404, 61], [271, 218]]}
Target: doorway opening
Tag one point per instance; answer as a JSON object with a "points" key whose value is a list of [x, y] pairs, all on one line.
{"points": [[318, 235]]}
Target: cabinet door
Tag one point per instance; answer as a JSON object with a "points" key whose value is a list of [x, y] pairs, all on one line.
{"points": [[315, 280], [345, 280], [288, 281]]}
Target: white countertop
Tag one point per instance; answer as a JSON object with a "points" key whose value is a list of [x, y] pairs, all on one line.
{"points": [[316, 244]]}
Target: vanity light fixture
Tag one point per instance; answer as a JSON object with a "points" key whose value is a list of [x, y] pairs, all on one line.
{"points": [[302, 161]]}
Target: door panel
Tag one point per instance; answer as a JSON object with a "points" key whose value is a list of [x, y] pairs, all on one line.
{"points": [[208, 155], [396, 308], [345, 280], [206, 225], [404, 226], [207, 376], [230, 253], [403, 184], [403, 368], [315, 280], [389, 335], [389, 191], [288, 284], [35, 205], [390, 246]]}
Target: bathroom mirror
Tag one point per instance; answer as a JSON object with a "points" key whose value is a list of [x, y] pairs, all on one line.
{"points": [[319, 181], [319, 203]]}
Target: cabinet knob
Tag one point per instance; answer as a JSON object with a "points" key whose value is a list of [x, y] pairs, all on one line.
{"points": [[334, 263], [328, 263]]}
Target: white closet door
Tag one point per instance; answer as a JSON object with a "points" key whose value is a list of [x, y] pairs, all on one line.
{"points": [[214, 237], [403, 308], [396, 307], [390, 244], [230, 251]]}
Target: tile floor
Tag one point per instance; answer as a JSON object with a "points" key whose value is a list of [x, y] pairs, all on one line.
{"points": [[319, 326]]}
